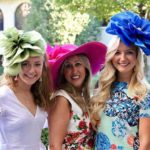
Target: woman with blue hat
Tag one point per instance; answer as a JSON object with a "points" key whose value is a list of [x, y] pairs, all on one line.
{"points": [[121, 108], [25, 90]]}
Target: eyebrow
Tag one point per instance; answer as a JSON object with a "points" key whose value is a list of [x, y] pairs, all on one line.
{"points": [[128, 49], [26, 61], [73, 61]]}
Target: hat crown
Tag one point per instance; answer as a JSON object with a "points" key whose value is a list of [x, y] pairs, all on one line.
{"points": [[131, 29], [59, 51]]}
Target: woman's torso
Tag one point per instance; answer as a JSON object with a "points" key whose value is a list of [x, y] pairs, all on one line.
{"points": [[118, 129], [79, 134], [19, 128]]}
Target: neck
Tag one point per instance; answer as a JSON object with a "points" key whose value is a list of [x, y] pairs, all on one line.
{"points": [[22, 87], [124, 77]]}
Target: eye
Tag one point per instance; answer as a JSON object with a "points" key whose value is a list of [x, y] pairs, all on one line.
{"points": [[68, 66], [117, 53], [24, 64], [78, 64], [38, 64], [130, 52]]}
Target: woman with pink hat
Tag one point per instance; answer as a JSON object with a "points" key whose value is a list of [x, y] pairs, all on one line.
{"points": [[71, 68]]}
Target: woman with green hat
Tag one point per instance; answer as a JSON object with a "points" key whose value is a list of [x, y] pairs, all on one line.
{"points": [[25, 90]]}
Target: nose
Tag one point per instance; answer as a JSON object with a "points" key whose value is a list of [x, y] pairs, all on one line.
{"points": [[74, 69], [31, 68], [123, 56]]}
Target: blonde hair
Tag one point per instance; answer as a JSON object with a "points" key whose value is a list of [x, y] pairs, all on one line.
{"points": [[82, 99], [138, 86]]}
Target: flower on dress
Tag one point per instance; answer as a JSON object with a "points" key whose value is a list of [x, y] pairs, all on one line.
{"points": [[130, 140], [102, 141], [132, 29], [113, 147], [82, 125], [119, 128], [91, 143]]}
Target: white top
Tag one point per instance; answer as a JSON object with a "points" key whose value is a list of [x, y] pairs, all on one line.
{"points": [[79, 133], [19, 128]]}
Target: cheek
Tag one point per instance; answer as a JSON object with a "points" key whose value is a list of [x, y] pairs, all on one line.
{"points": [[66, 74], [113, 61], [84, 72]]}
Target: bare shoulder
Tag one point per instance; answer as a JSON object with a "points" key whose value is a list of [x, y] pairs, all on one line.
{"points": [[60, 103]]}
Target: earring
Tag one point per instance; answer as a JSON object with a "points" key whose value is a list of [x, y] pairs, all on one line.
{"points": [[40, 80], [16, 78]]}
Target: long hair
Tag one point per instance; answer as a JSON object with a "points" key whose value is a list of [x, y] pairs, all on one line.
{"points": [[82, 99], [138, 86], [41, 89]]}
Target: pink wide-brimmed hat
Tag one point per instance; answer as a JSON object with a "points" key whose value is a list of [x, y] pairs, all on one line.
{"points": [[95, 51]]}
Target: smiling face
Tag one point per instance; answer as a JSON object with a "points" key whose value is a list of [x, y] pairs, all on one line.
{"points": [[31, 70], [125, 59], [74, 71]]}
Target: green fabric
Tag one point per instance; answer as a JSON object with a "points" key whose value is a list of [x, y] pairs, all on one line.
{"points": [[19, 46], [1, 70]]}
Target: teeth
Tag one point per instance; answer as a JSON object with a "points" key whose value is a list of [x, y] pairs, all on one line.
{"points": [[75, 77], [123, 64], [30, 76]]}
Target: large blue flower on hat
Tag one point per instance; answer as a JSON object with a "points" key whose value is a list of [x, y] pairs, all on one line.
{"points": [[132, 29]]}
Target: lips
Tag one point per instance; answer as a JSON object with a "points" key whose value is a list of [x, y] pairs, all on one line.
{"points": [[30, 76], [123, 64]]}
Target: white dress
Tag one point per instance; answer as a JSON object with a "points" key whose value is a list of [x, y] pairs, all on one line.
{"points": [[19, 128]]}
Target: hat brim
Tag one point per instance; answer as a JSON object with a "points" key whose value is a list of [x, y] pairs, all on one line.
{"points": [[95, 51]]}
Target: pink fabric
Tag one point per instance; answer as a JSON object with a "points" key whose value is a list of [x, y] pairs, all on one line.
{"points": [[95, 51]]}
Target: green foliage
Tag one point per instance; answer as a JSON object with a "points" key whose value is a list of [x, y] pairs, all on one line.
{"points": [[55, 23], [104, 9], [90, 33], [44, 137]]}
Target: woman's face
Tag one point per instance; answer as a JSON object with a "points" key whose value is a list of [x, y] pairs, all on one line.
{"points": [[125, 59], [31, 70], [74, 71]]}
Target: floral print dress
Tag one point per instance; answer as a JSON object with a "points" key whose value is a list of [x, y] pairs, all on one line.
{"points": [[118, 129], [79, 134]]}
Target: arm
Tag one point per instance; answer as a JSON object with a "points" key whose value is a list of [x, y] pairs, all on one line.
{"points": [[144, 133], [58, 120]]}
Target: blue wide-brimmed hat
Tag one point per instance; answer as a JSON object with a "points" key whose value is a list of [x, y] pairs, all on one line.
{"points": [[131, 29]]}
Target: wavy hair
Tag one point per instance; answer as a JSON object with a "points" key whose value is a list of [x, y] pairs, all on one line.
{"points": [[138, 86], [82, 99]]}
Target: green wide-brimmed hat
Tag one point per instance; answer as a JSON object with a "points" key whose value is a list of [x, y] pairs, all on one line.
{"points": [[18, 46]]}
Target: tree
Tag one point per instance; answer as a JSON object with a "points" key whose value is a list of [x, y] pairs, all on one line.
{"points": [[55, 23], [103, 9]]}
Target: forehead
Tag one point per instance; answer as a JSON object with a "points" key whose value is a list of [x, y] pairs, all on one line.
{"points": [[37, 58], [122, 46], [73, 58]]}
